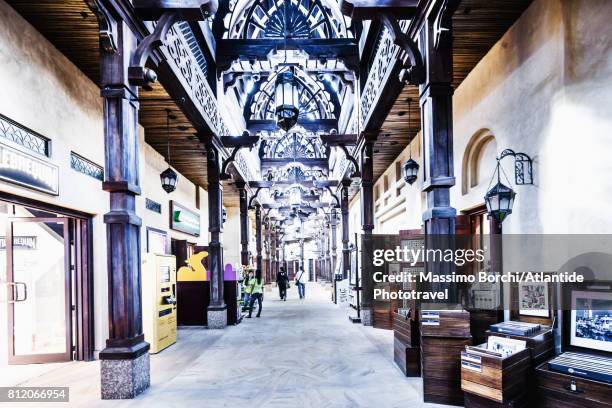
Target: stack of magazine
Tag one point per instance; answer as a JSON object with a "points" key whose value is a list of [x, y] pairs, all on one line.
{"points": [[516, 328]]}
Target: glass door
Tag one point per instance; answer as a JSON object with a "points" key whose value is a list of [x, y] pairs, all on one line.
{"points": [[38, 275]]}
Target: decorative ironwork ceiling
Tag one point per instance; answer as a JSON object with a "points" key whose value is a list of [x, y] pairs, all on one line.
{"points": [[317, 97], [293, 146], [291, 18]]}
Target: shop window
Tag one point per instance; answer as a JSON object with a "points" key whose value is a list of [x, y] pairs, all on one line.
{"points": [[479, 160]]}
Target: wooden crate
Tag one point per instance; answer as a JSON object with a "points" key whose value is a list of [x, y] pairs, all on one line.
{"points": [[440, 364], [444, 320], [558, 390], [475, 401], [541, 344], [496, 378]]}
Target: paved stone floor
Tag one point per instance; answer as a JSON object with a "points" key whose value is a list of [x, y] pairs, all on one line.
{"points": [[300, 353]]}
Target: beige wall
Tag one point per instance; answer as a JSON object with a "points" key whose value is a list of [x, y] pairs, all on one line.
{"points": [[44, 91], [540, 90]]}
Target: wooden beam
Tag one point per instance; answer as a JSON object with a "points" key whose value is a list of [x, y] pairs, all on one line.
{"points": [[367, 9], [188, 10], [318, 125], [317, 164], [336, 140], [239, 141], [230, 49], [307, 184]]}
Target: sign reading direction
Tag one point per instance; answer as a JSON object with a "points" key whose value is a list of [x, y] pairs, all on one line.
{"points": [[28, 171], [184, 220]]}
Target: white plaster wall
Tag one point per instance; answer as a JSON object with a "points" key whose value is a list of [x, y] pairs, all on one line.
{"points": [[43, 90]]}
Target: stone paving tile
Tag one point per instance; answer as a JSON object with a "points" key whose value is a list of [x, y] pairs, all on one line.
{"points": [[300, 353]]}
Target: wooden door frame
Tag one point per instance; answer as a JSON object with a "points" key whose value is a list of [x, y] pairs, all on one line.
{"points": [[84, 336]]}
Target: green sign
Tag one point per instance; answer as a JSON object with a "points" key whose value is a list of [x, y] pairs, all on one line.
{"points": [[184, 220]]}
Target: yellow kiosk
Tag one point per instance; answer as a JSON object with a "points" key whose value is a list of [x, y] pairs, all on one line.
{"points": [[159, 300]]}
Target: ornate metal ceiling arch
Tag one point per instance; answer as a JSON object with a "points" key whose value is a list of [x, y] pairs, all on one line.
{"points": [[253, 19], [317, 98], [293, 146]]}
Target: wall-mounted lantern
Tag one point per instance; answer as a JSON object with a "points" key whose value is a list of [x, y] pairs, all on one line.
{"points": [[410, 170], [500, 198]]}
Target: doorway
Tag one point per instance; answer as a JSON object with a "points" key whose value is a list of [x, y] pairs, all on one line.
{"points": [[46, 305]]}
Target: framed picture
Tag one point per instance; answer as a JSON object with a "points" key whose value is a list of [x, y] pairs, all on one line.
{"points": [[157, 241], [533, 299], [591, 320]]}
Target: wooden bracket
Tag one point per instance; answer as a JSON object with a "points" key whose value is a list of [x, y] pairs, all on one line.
{"points": [[107, 26], [413, 71], [166, 13], [237, 143]]}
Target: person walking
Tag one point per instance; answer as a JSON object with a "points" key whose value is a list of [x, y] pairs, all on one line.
{"points": [[256, 293], [282, 280], [247, 290], [299, 282]]}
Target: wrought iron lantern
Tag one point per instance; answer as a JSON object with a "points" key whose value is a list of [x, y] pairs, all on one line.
{"points": [[168, 180], [287, 102], [500, 198], [411, 170], [168, 177]]}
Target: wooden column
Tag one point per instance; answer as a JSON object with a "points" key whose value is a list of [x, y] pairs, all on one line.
{"points": [[217, 315], [437, 123], [244, 222], [274, 260], [334, 242], [268, 264], [344, 210], [258, 235], [125, 359], [367, 221]]}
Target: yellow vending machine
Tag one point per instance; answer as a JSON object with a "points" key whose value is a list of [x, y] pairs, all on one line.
{"points": [[159, 300]]}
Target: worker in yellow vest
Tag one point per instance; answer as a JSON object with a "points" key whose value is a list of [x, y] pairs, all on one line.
{"points": [[256, 291]]}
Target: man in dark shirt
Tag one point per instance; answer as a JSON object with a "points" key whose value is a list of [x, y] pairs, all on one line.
{"points": [[282, 280]]}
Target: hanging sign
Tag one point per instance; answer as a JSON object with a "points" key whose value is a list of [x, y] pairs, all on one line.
{"points": [[28, 171], [184, 220]]}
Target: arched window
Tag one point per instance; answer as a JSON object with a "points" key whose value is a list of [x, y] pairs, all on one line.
{"points": [[479, 160]]}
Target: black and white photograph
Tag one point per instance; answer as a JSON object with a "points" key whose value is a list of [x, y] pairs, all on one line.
{"points": [[591, 324], [533, 299]]}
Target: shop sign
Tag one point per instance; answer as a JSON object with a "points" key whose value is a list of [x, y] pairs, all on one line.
{"points": [[28, 171], [183, 219], [20, 242]]}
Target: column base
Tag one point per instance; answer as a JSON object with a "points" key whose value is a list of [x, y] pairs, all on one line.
{"points": [[217, 318], [366, 317], [125, 379]]}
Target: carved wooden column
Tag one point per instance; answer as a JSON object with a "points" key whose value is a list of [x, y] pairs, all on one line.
{"points": [[344, 210], [217, 309], [367, 221], [273, 260], [125, 359], [436, 99], [258, 236], [268, 271], [244, 222]]}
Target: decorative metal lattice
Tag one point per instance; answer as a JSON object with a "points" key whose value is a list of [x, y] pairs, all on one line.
{"points": [[82, 165], [315, 99], [286, 18], [293, 146], [25, 137], [294, 174]]}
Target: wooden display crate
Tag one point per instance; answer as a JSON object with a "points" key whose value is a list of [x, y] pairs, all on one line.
{"points": [[440, 363], [444, 320], [558, 390], [406, 350], [541, 345], [496, 378], [475, 401]]}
